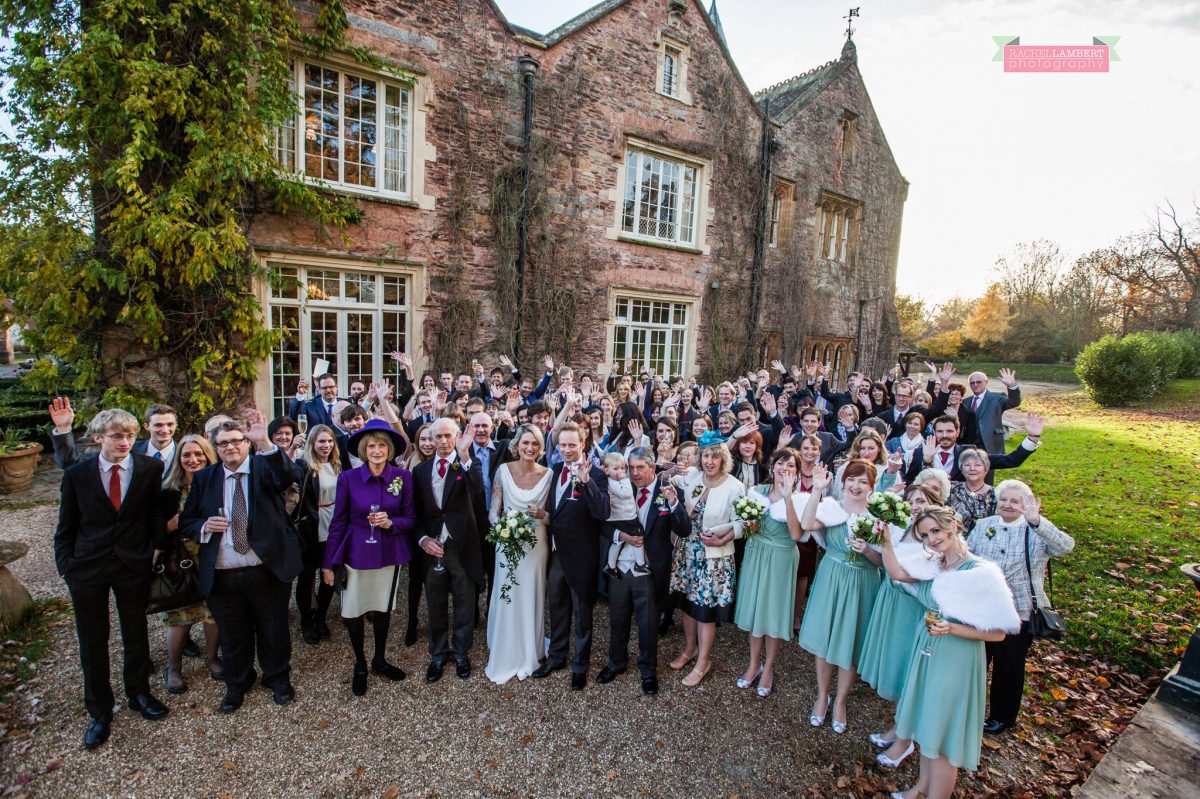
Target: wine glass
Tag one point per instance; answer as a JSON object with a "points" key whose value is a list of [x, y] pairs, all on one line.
{"points": [[932, 616], [371, 521], [438, 567], [302, 423]]}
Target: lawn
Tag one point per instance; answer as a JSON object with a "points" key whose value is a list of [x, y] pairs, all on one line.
{"points": [[1041, 372], [1125, 483]]}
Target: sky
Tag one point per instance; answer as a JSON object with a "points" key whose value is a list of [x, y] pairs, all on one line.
{"points": [[993, 159]]}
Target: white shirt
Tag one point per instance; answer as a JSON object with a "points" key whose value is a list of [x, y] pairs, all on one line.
{"points": [[106, 467], [227, 556], [439, 485], [621, 503], [948, 466], [167, 454], [560, 488], [631, 556]]}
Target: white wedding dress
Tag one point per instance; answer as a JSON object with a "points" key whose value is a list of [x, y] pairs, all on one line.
{"points": [[515, 630]]}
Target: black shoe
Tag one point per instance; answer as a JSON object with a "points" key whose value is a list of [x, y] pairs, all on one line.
{"points": [[993, 727], [358, 684], [321, 627], [308, 631], [649, 686], [190, 649], [410, 635], [578, 680], [546, 669], [607, 675], [434, 672], [179, 688], [282, 694], [148, 706], [232, 701], [641, 568], [389, 671], [97, 732], [462, 667]]}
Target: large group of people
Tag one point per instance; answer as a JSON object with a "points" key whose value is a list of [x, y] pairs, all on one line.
{"points": [[632, 484]]}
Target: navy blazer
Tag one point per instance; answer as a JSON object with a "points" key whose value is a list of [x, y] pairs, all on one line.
{"points": [[271, 534], [575, 527], [90, 533], [314, 409]]}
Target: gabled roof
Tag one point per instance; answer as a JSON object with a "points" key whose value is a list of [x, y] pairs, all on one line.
{"points": [[789, 96]]}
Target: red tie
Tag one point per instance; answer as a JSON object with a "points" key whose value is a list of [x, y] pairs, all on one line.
{"points": [[114, 487], [441, 467], [642, 497], [562, 481]]}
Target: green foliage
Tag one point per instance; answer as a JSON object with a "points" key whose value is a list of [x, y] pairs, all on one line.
{"points": [[140, 156], [13, 439], [942, 345], [1038, 372], [1189, 361], [1138, 366]]}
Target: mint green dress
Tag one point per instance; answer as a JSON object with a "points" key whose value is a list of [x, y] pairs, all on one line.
{"points": [[895, 619], [767, 583], [840, 602], [943, 703]]}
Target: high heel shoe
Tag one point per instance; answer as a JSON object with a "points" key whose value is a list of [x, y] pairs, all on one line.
{"points": [[817, 721], [880, 741], [839, 726], [885, 761], [764, 690], [691, 681], [744, 683]]}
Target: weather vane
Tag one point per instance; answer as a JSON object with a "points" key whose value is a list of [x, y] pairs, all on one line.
{"points": [[850, 30]]}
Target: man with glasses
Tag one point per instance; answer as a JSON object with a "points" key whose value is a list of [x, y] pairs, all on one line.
{"points": [[319, 409], [903, 394], [987, 406], [110, 522], [249, 555]]}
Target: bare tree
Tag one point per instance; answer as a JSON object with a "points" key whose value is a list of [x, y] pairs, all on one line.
{"points": [[1027, 276]]}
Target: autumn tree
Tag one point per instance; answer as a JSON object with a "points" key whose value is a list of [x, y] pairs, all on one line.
{"points": [[988, 321]]}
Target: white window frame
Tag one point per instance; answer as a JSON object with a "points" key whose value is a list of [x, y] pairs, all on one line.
{"points": [[306, 301], [670, 46], [677, 338], [290, 139], [661, 166]]}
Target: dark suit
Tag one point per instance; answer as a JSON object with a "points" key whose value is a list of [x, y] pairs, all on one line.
{"points": [[250, 604], [1010, 460], [831, 447], [412, 426], [989, 416], [314, 409], [968, 426], [497, 454], [98, 550], [573, 580], [461, 509], [645, 596], [897, 424]]}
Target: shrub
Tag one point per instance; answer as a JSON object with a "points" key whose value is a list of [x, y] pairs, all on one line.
{"points": [[1189, 342], [1120, 371], [1167, 352], [942, 345]]}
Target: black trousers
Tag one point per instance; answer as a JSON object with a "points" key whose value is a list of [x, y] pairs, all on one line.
{"points": [[1007, 659], [452, 581], [131, 591], [251, 609], [631, 597], [562, 603]]}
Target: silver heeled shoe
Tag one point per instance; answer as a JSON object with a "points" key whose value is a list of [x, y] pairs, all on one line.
{"points": [[885, 761], [880, 741], [839, 726], [743, 683], [764, 692], [817, 721]]}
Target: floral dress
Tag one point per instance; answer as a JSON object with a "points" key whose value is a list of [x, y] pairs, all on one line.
{"points": [[702, 586]]}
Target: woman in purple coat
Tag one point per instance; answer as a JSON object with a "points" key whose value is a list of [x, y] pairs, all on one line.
{"points": [[372, 516]]}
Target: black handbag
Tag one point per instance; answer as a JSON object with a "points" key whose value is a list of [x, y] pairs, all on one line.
{"points": [[175, 580], [1043, 622]]}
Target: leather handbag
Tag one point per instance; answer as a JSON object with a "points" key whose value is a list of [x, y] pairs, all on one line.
{"points": [[175, 580], [1043, 622]]}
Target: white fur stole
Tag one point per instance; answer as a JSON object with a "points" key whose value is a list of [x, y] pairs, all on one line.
{"points": [[978, 597]]}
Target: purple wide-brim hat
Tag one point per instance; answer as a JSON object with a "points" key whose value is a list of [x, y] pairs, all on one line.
{"points": [[399, 442]]}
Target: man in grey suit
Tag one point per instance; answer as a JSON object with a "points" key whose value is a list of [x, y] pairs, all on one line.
{"points": [[989, 406]]}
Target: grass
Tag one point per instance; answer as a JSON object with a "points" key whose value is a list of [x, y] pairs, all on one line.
{"points": [[1041, 372], [1125, 483]]}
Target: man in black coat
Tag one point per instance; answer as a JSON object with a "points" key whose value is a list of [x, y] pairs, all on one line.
{"points": [[577, 504], [638, 594], [451, 520], [488, 453], [110, 521], [810, 423], [249, 555], [904, 394], [945, 449]]}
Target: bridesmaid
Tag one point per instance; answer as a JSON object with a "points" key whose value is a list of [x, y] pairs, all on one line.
{"points": [[889, 637], [768, 579], [945, 692], [843, 592]]}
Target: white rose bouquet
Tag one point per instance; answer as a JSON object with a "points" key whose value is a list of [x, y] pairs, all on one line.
{"points": [[749, 509], [513, 534]]}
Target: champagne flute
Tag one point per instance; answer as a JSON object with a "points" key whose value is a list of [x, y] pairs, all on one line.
{"points": [[371, 521], [931, 617], [302, 423]]}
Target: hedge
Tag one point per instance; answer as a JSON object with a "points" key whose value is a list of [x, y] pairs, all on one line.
{"points": [[1120, 371]]}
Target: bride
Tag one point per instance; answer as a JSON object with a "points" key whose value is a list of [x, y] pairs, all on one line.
{"points": [[515, 633]]}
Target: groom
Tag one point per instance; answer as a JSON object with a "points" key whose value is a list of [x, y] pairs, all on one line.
{"points": [[577, 503]]}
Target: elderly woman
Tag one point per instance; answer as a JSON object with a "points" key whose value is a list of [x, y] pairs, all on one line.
{"points": [[843, 593], [368, 536], [972, 499], [767, 583], [193, 454], [320, 463], [1021, 542], [966, 604], [937, 481], [702, 570], [895, 615]]}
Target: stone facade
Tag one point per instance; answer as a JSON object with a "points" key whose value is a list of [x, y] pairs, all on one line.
{"points": [[598, 102]]}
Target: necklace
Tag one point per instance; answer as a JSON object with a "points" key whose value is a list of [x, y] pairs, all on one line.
{"points": [[704, 479]]}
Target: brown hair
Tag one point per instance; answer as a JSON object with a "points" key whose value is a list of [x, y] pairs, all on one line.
{"points": [[859, 468]]}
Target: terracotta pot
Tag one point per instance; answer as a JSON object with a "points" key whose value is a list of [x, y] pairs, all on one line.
{"points": [[17, 468]]}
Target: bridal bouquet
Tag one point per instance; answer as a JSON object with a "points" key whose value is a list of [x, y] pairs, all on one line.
{"points": [[513, 534], [889, 507], [863, 527], [749, 509]]}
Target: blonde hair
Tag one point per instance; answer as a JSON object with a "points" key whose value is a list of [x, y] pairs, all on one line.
{"points": [[726, 457], [613, 459], [309, 455], [522, 431], [117, 419], [416, 456], [176, 476], [880, 458], [375, 435]]}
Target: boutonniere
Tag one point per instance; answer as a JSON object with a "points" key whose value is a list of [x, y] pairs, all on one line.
{"points": [[991, 532], [456, 466], [396, 487], [697, 491], [660, 501]]}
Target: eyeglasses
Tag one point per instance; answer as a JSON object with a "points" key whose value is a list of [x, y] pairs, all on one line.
{"points": [[121, 436], [230, 442]]}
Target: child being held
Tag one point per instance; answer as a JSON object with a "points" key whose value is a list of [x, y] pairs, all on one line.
{"points": [[622, 516]]}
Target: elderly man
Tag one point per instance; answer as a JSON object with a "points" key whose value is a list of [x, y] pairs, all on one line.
{"points": [[987, 406]]}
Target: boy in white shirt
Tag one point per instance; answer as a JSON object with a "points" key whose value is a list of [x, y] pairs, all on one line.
{"points": [[622, 516]]}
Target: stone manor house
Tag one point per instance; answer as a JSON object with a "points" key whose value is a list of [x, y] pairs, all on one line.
{"points": [[671, 215]]}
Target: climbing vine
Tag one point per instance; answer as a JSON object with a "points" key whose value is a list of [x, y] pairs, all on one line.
{"points": [[140, 155]]}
